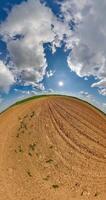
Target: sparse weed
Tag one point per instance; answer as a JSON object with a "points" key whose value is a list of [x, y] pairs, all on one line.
{"points": [[46, 178], [19, 118], [20, 149], [55, 186], [51, 147], [23, 125], [29, 173], [37, 154], [96, 194], [17, 135], [32, 146], [49, 161], [29, 154], [32, 114]]}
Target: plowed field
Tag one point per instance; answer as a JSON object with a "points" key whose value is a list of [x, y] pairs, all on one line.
{"points": [[53, 148]]}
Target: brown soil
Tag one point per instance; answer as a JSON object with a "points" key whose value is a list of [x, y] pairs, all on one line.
{"points": [[53, 148]]}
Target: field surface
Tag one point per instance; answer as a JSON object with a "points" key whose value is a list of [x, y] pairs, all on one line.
{"points": [[53, 148]]}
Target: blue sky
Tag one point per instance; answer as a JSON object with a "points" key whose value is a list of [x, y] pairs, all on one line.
{"points": [[41, 51]]}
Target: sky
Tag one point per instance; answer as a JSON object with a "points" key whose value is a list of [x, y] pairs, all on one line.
{"points": [[54, 46]]}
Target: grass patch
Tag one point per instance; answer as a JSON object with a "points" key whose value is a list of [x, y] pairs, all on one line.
{"points": [[28, 99]]}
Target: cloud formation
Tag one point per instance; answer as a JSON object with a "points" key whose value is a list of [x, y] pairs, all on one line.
{"points": [[27, 28], [88, 56], [85, 95], [81, 26], [6, 77], [50, 73]]}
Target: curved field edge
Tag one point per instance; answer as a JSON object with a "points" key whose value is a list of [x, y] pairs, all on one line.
{"points": [[55, 95]]}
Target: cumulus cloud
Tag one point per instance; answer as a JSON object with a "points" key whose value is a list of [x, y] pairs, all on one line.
{"points": [[88, 56], [81, 26], [6, 77], [27, 28]]}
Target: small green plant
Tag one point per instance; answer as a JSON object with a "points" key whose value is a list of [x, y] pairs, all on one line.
{"points": [[29, 173], [23, 125], [51, 147], [82, 193], [17, 135], [32, 146], [32, 114], [55, 186], [25, 116], [37, 154], [96, 194], [45, 179], [29, 154], [19, 128], [19, 118], [20, 149], [49, 161]]}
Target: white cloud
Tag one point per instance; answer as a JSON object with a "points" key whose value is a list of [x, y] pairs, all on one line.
{"points": [[27, 28], [91, 99], [50, 90], [39, 86], [1, 99], [102, 85], [86, 79], [88, 56], [28, 92], [102, 91], [103, 107], [32, 24], [6, 77], [72, 8], [85, 95], [50, 73]]}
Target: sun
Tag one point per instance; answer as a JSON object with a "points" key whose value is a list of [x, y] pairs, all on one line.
{"points": [[61, 83]]}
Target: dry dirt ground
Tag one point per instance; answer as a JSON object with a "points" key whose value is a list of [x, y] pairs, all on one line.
{"points": [[53, 148]]}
